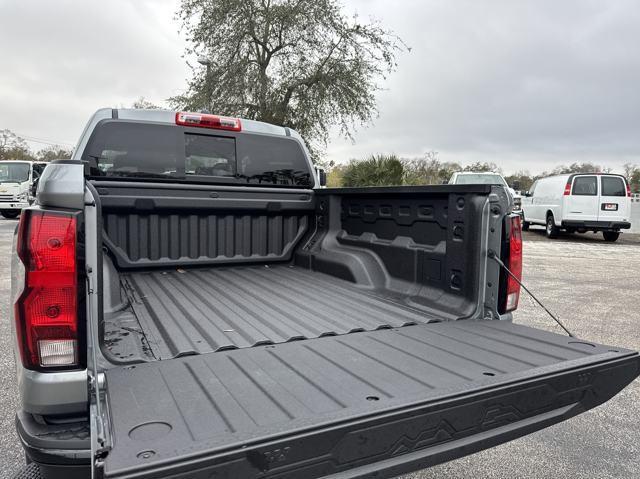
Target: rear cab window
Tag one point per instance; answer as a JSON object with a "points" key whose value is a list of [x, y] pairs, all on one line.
{"points": [[210, 156], [613, 186], [155, 151], [585, 186]]}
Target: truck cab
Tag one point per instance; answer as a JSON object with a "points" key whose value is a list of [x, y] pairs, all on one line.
{"points": [[16, 185]]}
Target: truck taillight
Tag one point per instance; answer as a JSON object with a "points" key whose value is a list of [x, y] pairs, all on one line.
{"points": [[514, 263], [628, 187], [205, 120], [47, 310], [567, 188], [511, 257]]}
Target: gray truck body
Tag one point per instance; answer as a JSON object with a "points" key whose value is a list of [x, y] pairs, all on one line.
{"points": [[272, 330]]}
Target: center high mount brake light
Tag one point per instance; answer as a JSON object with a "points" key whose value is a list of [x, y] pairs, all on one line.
{"points": [[206, 120]]}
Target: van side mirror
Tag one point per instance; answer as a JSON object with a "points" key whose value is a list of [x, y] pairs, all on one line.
{"points": [[322, 177]]}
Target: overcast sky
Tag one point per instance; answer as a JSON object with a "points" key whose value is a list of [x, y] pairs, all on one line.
{"points": [[526, 84]]}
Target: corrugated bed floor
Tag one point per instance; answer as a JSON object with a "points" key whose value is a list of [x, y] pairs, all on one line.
{"points": [[219, 400], [197, 311]]}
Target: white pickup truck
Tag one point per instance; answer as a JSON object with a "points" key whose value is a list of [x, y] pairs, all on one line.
{"points": [[487, 178]]}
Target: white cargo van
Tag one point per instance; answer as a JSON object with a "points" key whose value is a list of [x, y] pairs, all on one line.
{"points": [[579, 203], [16, 185]]}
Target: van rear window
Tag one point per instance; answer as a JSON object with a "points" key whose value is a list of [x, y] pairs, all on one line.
{"points": [[613, 186], [585, 186], [127, 149]]}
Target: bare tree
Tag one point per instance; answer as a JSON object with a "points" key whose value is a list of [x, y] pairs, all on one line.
{"points": [[577, 167], [12, 147], [629, 169], [428, 169], [54, 152], [522, 178]]}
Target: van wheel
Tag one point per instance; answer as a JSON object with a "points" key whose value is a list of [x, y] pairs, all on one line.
{"points": [[552, 229], [10, 213], [611, 236]]}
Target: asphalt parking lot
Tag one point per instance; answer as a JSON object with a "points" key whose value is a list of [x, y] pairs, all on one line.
{"points": [[592, 285], [11, 455]]}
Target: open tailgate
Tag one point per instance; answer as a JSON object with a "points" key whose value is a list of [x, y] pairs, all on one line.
{"points": [[372, 403]]}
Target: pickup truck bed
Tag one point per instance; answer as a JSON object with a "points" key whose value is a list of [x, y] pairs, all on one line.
{"points": [[257, 269], [334, 404], [202, 310]]}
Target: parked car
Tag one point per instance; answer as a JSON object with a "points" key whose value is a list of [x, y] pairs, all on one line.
{"points": [[16, 185], [487, 178], [579, 203], [185, 287]]}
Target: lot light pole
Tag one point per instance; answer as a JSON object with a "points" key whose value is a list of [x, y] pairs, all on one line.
{"points": [[202, 60]]}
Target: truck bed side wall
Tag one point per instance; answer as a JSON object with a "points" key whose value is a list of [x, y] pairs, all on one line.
{"points": [[424, 243]]}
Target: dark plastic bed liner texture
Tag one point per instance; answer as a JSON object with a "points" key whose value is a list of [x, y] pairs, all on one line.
{"points": [[202, 310], [221, 403]]}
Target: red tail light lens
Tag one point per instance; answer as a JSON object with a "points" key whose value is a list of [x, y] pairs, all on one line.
{"points": [[514, 263], [567, 188], [47, 310], [204, 120], [628, 188]]}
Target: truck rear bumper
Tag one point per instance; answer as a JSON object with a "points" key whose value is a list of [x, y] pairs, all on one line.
{"points": [[597, 225], [377, 403], [53, 393], [62, 450]]}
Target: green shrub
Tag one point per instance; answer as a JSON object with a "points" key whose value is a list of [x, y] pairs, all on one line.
{"points": [[377, 170]]}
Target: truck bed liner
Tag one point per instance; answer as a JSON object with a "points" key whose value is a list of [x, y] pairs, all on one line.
{"points": [[319, 407], [202, 310]]}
